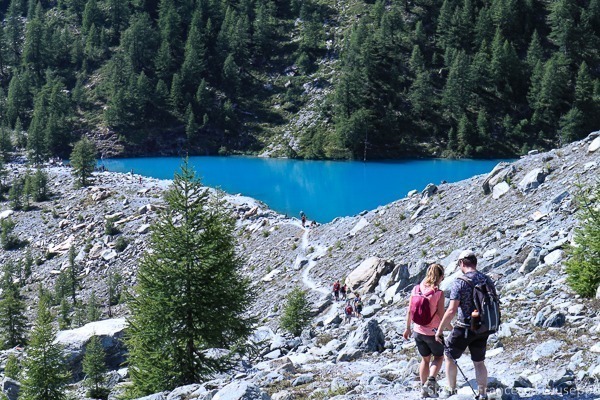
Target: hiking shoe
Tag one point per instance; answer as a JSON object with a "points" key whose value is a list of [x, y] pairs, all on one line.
{"points": [[424, 392], [481, 397], [432, 387], [448, 392]]}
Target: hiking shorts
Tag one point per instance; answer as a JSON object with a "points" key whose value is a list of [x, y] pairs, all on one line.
{"points": [[461, 338], [428, 346]]}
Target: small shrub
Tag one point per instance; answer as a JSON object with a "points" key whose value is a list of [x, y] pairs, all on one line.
{"points": [[109, 227], [121, 244], [296, 312], [265, 233], [12, 368]]}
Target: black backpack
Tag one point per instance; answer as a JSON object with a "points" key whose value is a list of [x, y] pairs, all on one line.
{"points": [[486, 301]]}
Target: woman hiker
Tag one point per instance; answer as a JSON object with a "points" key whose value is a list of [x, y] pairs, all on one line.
{"points": [[426, 309]]}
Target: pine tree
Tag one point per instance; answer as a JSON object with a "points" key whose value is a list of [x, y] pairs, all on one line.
{"points": [[94, 366], [190, 295], [583, 268], [83, 160], [44, 374], [12, 369], [13, 322], [296, 312], [93, 309], [64, 320]]}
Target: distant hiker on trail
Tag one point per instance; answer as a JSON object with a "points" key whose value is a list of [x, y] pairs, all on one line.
{"points": [[313, 224], [358, 306], [426, 309], [302, 214], [348, 311], [303, 220], [336, 290], [343, 291], [474, 297]]}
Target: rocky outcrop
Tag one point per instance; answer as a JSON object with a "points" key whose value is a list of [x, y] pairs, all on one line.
{"points": [[366, 276], [109, 331]]}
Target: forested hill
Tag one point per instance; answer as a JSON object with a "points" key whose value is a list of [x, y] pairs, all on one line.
{"points": [[301, 78]]}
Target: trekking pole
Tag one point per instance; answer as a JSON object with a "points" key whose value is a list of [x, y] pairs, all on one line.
{"points": [[456, 363]]}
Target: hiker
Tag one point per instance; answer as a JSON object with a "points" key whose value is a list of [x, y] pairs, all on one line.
{"points": [[358, 306], [303, 220], [426, 309], [348, 311], [343, 291], [313, 224], [465, 333], [336, 290]]}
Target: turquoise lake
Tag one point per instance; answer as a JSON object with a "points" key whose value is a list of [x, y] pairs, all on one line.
{"points": [[324, 190]]}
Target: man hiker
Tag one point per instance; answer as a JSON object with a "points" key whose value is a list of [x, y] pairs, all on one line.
{"points": [[463, 334], [336, 290], [426, 309], [343, 291], [358, 306], [348, 311]]}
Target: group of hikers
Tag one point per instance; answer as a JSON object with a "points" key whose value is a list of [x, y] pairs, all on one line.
{"points": [[353, 307], [313, 223], [474, 302]]}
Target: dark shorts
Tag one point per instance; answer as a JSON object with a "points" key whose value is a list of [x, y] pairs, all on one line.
{"points": [[428, 346], [457, 343]]}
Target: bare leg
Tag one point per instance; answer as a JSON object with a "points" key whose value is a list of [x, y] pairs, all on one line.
{"points": [[436, 365], [451, 372], [481, 374], [424, 369]]}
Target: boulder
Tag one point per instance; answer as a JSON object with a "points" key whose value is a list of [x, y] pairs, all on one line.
{"points": [[554, 257], [555, 320], [366, 276], [110, 332], [368, 337], [595, 145], [493, 177], [108, 254], [241, 390], [532, 180], [359, 225], [500, 190], [143, 229], [418, 228], [155, 396], [429, 191], [10, 388], [303, 379], [183, 392], [61, 248], [350, 354], [5, 214], [546, 349], [531, 262]]}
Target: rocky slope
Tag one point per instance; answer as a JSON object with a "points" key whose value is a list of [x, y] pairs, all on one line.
{"points": [[519, 230]]}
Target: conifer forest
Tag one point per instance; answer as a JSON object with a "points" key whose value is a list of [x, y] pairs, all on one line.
{"points": [[452, 78]]}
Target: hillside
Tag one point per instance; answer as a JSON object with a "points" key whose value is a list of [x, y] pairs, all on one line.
{"points": [[547, 343], [310, 79]]}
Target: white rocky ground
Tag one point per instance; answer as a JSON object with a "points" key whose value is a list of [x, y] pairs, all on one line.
{"points": [[520, 230]]}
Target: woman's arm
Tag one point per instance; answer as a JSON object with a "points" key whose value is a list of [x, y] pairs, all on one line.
{"points": [[440, 306], [407, 331]]}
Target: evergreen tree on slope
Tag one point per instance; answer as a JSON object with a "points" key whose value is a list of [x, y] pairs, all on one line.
{"points": [[190, 296]]}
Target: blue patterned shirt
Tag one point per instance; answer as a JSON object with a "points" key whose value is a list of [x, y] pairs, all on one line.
{"points": [[463, 292]]}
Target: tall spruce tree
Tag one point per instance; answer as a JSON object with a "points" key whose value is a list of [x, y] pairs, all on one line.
{"points": [[83, 160], [94, 366], [190, 295], [13, 321], [44, 374]]}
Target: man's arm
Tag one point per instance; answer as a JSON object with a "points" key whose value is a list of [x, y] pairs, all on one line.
{"points": [[445, 322]]}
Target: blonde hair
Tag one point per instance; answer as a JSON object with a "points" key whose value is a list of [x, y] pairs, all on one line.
{"points": [[434, 274]]}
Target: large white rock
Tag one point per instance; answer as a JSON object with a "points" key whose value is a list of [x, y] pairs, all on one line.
{"points": [[241, 390], [554, 257], [595, 145], [500, 190], [5, 214], [532, 180], [360, 225], [110, 332], [366, 276], [546, 349]]}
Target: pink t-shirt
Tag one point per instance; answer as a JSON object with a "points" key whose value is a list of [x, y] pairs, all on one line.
{"points": [[433, 302]]}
